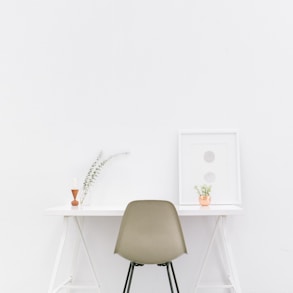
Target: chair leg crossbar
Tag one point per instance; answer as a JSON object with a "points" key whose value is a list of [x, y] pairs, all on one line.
{"points": [[168, 265]]}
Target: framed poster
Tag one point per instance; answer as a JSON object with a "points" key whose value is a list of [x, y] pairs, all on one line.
{"points": [[211, 158]]}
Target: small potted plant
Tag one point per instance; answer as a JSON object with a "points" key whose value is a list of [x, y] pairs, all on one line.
{"points": [[204, 194]]}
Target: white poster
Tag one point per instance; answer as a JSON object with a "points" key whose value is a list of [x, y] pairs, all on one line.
{"points": [[210, 158]]}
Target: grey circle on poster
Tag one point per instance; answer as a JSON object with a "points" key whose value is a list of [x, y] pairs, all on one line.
{"points": [[209, 156], [210, 177]]}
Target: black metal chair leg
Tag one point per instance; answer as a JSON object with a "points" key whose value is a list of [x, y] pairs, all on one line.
{"points": [[128, 278], [167, 265], [169, 277], [174, 277]]}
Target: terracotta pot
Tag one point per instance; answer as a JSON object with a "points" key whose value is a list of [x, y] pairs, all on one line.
{"points": [[204, 200]]}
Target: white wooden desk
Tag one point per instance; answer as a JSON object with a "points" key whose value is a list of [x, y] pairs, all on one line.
{"points": [[77, 213]]}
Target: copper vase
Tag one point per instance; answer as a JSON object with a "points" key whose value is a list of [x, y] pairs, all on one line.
{"points": [[204, 200], [74, 193]]}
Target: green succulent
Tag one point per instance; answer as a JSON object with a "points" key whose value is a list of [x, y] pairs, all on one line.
{"points": [[203, 190]]}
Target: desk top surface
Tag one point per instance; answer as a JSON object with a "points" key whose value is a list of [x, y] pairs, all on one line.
{"points": [[81, 211]]}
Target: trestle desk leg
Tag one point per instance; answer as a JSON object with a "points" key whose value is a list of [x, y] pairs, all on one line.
{"points": [[76, 250], [232, 272], [228, 256], [87, 253], [59, 255], [207, 254]]}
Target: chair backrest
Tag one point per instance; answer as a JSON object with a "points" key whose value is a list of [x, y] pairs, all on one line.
{"points": [[150, 232]]}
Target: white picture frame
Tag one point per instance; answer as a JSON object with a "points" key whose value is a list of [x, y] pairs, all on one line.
{"points": [[209, 157]]}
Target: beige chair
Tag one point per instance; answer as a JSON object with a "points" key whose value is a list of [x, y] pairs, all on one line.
{"points": [[150, 233]]}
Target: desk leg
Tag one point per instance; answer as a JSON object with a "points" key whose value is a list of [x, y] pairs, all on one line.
{"points": [[59, 255], [207, 254], [87, 253], [67, 283], [232, 272], [231, 269], [75, 254]]}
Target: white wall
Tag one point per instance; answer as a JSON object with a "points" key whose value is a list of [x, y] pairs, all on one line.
{"points": [[80, 76]]}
